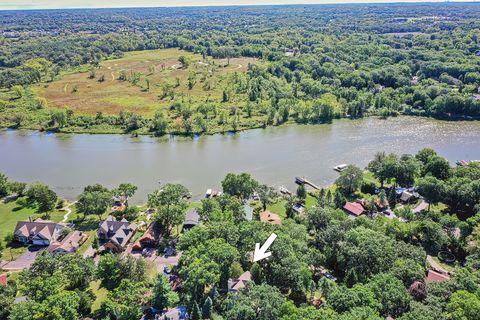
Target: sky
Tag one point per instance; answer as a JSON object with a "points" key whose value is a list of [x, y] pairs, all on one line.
{"points": [[55, 4]]}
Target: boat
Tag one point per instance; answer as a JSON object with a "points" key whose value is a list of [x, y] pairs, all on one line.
{"points": [[208, 194], [340, 167], [299, 180], [284, 190]]}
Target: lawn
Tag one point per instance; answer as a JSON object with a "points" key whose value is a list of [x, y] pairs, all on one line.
{"points": [[10, 214], [150, 73], [100, 294]]}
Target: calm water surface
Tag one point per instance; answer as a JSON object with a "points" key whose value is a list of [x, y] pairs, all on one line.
{"points": [[274, 155]]}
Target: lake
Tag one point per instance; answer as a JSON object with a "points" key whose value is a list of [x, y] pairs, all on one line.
{"points": [[69, 162]]}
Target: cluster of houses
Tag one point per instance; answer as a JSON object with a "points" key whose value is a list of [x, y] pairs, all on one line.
{"points": [[48, 234], [406, 196]]}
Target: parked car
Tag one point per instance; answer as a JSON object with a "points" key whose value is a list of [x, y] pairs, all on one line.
{"points": [[170, 252], [166, 270], [329, 276]]}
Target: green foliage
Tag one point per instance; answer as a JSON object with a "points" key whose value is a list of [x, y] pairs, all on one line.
{"points": [[350, 179], [42, 197], [94, 199], [112, 269], [162, 295]]}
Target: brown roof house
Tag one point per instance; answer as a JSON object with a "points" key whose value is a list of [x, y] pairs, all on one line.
{"points": [[268, 217], [115, 234], [234, 285], [150, 237], [39, 232], [69, 244], [354, 209]]}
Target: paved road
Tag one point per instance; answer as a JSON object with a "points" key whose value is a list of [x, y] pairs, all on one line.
{"points": [[24, 261]]}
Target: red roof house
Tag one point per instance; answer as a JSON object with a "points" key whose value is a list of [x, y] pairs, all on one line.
{"points": [[3, 279], [354, 208], [434, 276]]}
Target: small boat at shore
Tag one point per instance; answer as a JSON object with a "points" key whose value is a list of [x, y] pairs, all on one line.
{"points": [[340, 167], [284, 190]]}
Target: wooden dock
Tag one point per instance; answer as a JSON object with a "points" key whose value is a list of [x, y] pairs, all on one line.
{"points": [[303, 180]]}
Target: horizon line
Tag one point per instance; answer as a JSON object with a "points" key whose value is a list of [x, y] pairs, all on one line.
{"points": [[306, 3]]}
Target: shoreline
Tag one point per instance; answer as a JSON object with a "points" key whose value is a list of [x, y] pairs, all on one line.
{"points": [[194, 135]]}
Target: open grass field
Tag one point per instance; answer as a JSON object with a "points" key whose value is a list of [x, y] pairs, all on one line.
{"points": [[153, 78]]}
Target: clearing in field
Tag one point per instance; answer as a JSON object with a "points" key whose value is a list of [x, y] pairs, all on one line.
{"points": [[143, 81]]}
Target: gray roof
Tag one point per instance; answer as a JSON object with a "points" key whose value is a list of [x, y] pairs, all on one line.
{"points": [[248, 212], [192, 217]]}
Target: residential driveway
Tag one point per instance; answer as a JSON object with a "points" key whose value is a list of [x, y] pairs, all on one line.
{"points": [[24, 261], [162, 262]]}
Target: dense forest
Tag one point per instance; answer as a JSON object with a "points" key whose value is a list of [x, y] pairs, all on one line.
{"points": [[318, 62]]}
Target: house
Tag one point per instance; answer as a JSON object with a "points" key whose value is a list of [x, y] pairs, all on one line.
{"points": [[354, 209], [248, 212], [115, 234], [149, 239], [39, 232], [192, 219], [268, 217], [234, 285], [3, 279], [69, 244], [407, 197], [435, 276]]}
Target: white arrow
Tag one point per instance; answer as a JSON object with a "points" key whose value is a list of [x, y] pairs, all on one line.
{"points": [[260, 253]]}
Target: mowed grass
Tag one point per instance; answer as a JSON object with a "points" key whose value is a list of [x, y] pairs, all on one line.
{"points": [[10, 214], [155, 69]]}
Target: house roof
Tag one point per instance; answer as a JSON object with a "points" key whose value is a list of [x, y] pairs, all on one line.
{"points": [[434, 276], [151, 235], [69, 244], [268, 217], [3, 279], [241, 282], [39, 229], [248, 212], [406, 196], [192, 217], [354, 208], [119, 232]]}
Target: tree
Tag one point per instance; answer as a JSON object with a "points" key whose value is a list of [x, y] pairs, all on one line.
{"points": [[40, 195], [267, 195], [159, 123], [432, 189], [464, 306], [438, 167], [16, 187], [3, 185], [124, 191], [259, 302], [207, 308], [350, 179], [184, 61], [301, 192], [391, 294], [124, 302], [113, 268], [241, 185], [171, 205], [163, 296], [95, 199]]}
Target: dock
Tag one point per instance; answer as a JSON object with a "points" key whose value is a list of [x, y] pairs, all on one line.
{"points": [[303, 180]]}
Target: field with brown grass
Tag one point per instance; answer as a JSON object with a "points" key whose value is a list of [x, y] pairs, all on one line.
{"points": [[151, 80]]}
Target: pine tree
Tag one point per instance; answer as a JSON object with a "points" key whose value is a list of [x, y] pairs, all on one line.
{"points": [[301, 192], [392, 198], [207, 308], [196, 315], [339, 199]]}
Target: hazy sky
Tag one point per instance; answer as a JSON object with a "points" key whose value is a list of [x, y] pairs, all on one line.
{"points": [[52, 4]]}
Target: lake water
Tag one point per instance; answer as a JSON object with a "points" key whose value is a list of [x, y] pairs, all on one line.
{"points": [[274, 156]]}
